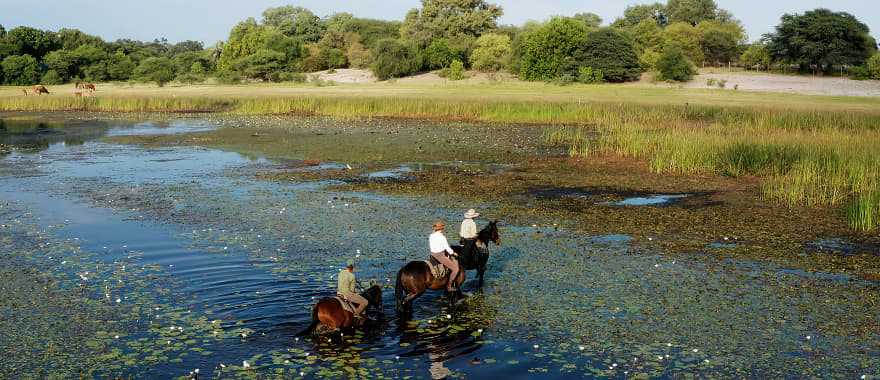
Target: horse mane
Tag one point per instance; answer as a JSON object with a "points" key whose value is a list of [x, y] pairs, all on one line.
{"points": [[485, 235]]}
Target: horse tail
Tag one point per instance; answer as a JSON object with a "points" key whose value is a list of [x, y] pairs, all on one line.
{"points": [[399, 291], [312, 326]]}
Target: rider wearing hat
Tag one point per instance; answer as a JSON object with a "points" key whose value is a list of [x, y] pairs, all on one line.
{"points": [[347, 289], [468, 232], [443, 253]]}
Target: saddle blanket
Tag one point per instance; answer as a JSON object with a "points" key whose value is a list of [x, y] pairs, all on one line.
{"points": [[347, 306], [437, 270]]}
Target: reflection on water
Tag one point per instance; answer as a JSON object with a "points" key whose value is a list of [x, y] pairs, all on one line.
{"points": [[255, 255]]}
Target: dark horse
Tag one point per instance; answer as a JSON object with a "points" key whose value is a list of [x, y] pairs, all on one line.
{"points": [[328, 311], [416, 277]]}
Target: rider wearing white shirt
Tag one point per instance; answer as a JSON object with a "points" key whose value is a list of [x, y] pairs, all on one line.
{"points": [[443, 253]]}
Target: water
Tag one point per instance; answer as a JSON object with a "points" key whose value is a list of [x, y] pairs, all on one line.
{"points": [[650, 201], [215, 268]]}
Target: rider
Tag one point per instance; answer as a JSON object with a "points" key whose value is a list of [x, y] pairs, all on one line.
{"points": [[468, 232], [347, 290], [442, 252]]}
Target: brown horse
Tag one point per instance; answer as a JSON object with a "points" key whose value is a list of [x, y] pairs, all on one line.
{"points": [[40, 90], [416, 277], [89, 86], [328, 312]]}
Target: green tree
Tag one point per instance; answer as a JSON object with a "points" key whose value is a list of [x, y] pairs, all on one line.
{"points": [[51, 77], [245, 39], [263, 65], [686, 37], [156, 69], [371, 31], [120, 66], [439, 55], [357, 54], [821, 38], [450, 19], [718, 47], [610, 52], [33, 42], [70, 39], [756, 55], [874, 66], [592, 20], [674, 65], [647, 35], [635, 14], [21, 70], [691, 11], [395, 59], [295, 22], [492, 52], [544, 49], [648, 59], [63, 63]]}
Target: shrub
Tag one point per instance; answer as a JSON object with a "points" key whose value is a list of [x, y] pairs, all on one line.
{"points": [[190, 78], [588, 75], [51, 77], [229, 76], [711, 82], [288, 76], [674, 65], [544, 49], [159, 70], [860, 73], [439, 55], [21, 70], [394, 59], [492, 52], [722, 83], [649, 59], [456, 70], [612, 53], [874, 66]]}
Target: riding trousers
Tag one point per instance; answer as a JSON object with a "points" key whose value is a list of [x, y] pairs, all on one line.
{"points": [[449, 263], [358, 300]]}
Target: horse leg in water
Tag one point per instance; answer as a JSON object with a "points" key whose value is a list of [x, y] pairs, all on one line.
{"points": [[411, 283]]}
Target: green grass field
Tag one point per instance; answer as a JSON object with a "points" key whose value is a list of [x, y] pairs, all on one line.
{"points": [[810, 150]]}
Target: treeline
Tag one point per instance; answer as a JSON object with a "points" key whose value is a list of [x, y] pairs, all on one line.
{"points": [[452, 36]]}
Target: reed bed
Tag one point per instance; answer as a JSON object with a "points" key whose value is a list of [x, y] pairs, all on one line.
{"points": [[807, 163]]}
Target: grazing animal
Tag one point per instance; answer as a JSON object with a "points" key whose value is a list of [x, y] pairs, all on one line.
{"points": [[89, 86], [78, 94], [40, 90], [24, 90], [416, 277], [330, 313]]}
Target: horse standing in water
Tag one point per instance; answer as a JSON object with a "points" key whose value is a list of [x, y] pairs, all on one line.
{"points": [[416, 276], [329, 312]]}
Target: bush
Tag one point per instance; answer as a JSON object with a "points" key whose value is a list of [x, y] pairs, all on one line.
{"points": [[860, 73], [874, 66], [544, 49], [190, 78], [159, 70], [589, 75], [649, 59], [394, 59], [229, 76], [288, 76], [21, 70], [674, 65], [51, 77], [456, 70], [492, 52], [612, 53], [439, 55]]}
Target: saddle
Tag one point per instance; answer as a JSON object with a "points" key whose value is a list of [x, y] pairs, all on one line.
{"points": [[346, 304], [438, 270]]}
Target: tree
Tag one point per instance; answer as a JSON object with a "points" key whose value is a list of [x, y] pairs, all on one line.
{"points": [[874, 66], [691, 11], [439, 55], [635, 14], [21, 70], [295, 22], [245, 39], [70, 39], [51, 77], [720, 41], [450, 19], [2, 32], [674, 65], [188, 46], [394, 59], [821, 38], [592, 20], [756, 55], [155, 69], [544, 49], [647, 35], [686, 37], [30, 41], [120, 66], [263, 65], [63, 63], [371, 31], [610, 52], [358, 56], [492, 52]]}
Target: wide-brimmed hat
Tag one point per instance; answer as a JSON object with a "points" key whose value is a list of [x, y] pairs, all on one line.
{"points": [[349, 263], [470, 214], [439, 224]]}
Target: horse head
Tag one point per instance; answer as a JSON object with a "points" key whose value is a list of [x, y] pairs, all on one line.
{"points": [[493, 232], [373, 294]]}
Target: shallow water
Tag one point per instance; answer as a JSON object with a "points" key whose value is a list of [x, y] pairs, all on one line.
{"points": [[232, 265]]}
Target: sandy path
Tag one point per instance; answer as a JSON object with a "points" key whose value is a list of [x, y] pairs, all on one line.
{"points": [[808, 85]]}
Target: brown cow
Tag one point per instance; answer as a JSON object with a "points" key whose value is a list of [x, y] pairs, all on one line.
{"points": [[40, 90], [89, 86]]}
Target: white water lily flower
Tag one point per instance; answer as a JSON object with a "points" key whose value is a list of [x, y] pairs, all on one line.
{"points": [[660, 357], [695, 350], [536, 346], [809, 337], [668, 344], [118, 300], [581, 348], [116, 337], [245, 364]]}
